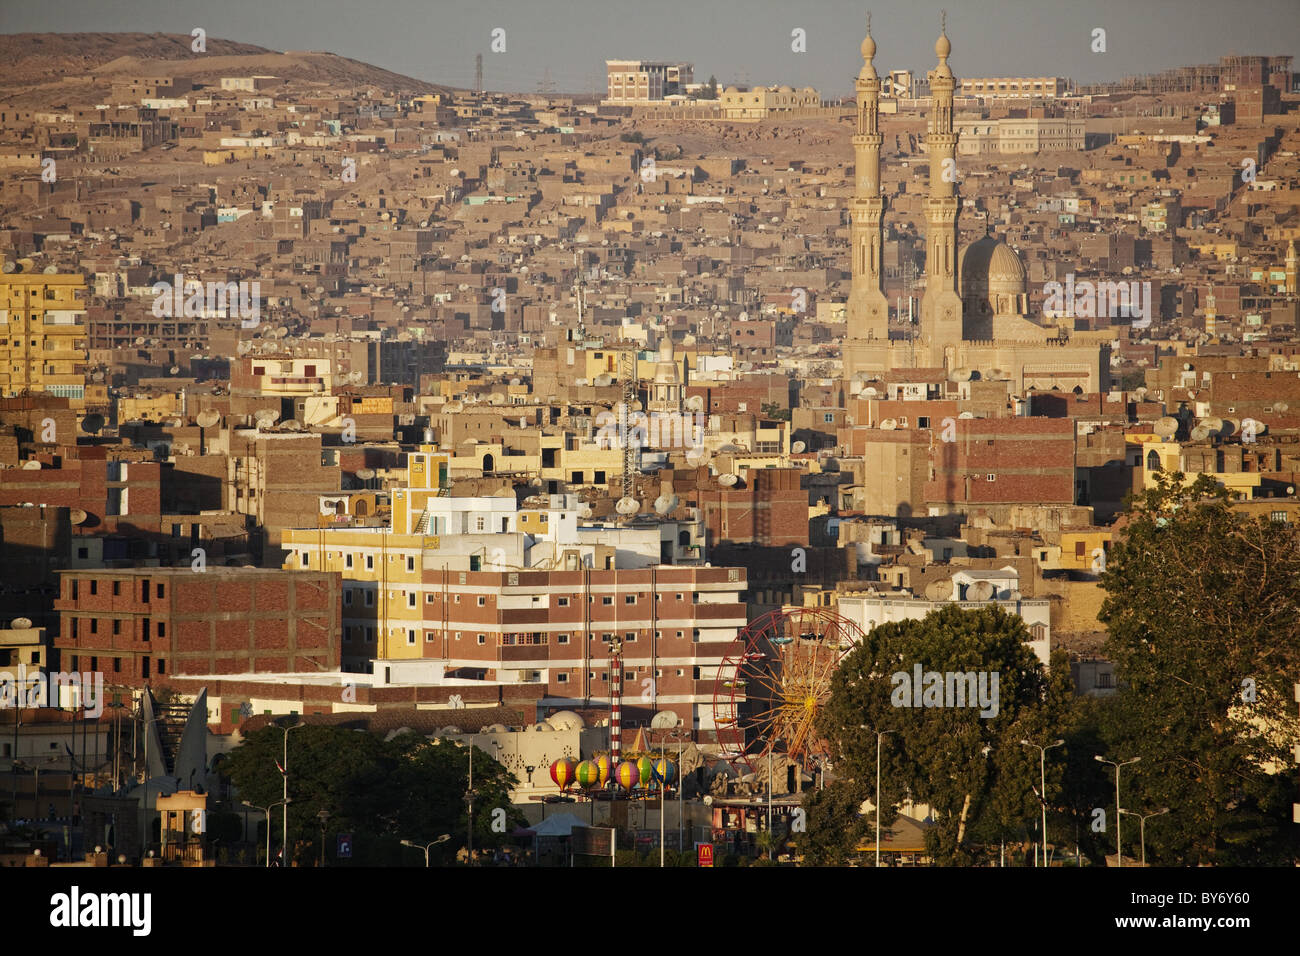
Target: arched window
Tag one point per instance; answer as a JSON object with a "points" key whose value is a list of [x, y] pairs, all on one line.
{"points": [[1153, 461], [489, 463]]}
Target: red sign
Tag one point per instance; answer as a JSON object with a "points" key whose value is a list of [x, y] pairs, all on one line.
{"points": [[705, 853]]}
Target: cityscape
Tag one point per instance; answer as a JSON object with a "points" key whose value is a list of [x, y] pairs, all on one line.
{"points": [[629, 462]]}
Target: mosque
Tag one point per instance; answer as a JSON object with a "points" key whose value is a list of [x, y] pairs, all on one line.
{"points": [[974, 319]]}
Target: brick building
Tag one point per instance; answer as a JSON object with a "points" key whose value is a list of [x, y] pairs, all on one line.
{"points": [[143, 625], [1003, 461]]}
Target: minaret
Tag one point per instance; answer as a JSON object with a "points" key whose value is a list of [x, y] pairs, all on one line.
{"points": [[1211, 313], [868, 310], [941, 306], [1291, 268]]}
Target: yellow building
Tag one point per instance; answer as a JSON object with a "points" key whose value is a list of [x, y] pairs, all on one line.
{"points": [[1168, 456], [43, 335]]}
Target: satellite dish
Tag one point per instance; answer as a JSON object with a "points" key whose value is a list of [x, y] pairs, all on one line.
{"points": [[603, 381], [981, 591], [31, 464], [888, 425], [627, 506], [666, 503], [728, 480], [664, 720], [584, 511], [365, 474], [799, 447], [77, 516], [92, 423], [454, 407], [173, 370], [293, 425], [967, 415], [10, 266], [496, 398], [21, 623], [50, 270], [1166, 427], [139, 340], [208, 418], [266, 417], [1281, 407], [1200, 433], [938, 591], [695, 403]]}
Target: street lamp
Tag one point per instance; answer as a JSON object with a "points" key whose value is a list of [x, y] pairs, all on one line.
{"points": [[1119, 848], [1142, 826], [324, 818], [267, 811], [284, 774], [442, 839], [1042, 777], [880, 736]]}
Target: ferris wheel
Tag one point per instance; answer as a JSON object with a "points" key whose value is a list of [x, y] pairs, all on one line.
{"points": [[774, 682]]}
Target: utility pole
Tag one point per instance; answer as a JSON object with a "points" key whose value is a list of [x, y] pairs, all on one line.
{"points": [[478, 73]]}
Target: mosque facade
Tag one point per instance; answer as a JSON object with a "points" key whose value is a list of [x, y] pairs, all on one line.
{"points": [[974, 319]]}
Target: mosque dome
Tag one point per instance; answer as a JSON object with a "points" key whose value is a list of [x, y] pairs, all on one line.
{"points": [[943, 47], [868, 48], [989, 266]]}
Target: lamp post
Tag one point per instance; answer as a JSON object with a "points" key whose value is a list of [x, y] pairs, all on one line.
{"points": [[1119, 848], [1042, 782], [284, 774], [267, 811], [324, 818], [442, 839], [1142, 827], [880, 736]]}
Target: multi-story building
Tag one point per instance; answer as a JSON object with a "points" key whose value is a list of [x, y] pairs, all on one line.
{"points": [[1004, 87], [1019, 135], [644, 81], [763, 101], [142, 625], [43, 335]]}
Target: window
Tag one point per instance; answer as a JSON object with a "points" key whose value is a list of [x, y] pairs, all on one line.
{"points": [[94, 626], [562, 602], [482, 638], [160, 590], [410, 636], [630, 599], [561, 638], [630, 636], [561, 678], [370, 635], [1278, 516], [990, 477], [94, 587], [828, 418], [304, 559], [117, 626], [347, 561], [410, 563], [607, 600], [482, 602], [370, 562], [117, 588], [162, 629], [370, 598], [457, 598], [410, 599], [347, 597]]}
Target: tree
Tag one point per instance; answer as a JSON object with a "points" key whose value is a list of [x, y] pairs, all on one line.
{"points": [[710, 91], [1203, 611], [408, 788], [965, 762]]}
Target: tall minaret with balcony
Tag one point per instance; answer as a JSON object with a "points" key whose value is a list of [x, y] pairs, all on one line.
{"points": [[941, 323], [868, 310]]}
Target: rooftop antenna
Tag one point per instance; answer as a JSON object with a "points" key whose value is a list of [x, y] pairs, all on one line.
{"points": [[478, 73], [579, 290]]}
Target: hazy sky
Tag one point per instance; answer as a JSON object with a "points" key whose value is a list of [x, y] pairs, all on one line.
{"points": [[736, 40]]}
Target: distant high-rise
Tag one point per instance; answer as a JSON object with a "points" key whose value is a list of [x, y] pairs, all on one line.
{"points": [[644, 81], [43, 335]]}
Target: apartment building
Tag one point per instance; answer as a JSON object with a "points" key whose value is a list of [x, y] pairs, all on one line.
{"points": [[143, 625], [644, 81], [1016, 135], [1006, 87], [676, 625], [43, 335]]}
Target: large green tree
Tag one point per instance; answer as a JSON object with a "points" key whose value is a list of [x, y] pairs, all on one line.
{"points": [[1203, 614], [971, 770], [382, 792]]}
